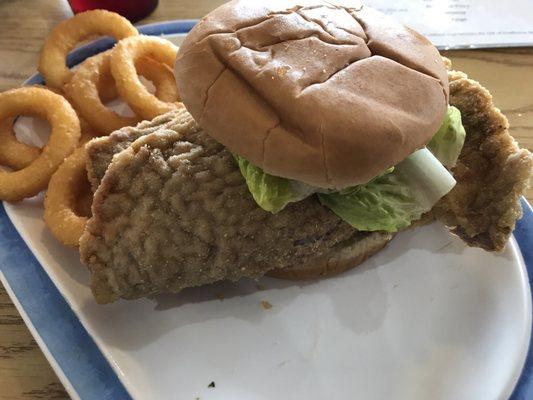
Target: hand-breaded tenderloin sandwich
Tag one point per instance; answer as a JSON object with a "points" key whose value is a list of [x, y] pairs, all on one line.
{"points": [[337, 99], [317, 130]]}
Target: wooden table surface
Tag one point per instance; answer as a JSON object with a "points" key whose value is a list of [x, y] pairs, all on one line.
{"points": [[24, 372]]}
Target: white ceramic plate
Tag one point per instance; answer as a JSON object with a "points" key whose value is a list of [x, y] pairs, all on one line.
{"points": [[427, 318]]}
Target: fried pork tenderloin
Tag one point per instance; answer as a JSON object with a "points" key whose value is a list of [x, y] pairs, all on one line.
{"points": [[171, 209]]}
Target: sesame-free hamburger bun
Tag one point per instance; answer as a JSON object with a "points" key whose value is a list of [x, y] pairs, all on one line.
{"points": [[327, 93]]}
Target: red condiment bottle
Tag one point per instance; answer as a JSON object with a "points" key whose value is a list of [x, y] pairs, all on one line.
{"points": [[133, 10]]}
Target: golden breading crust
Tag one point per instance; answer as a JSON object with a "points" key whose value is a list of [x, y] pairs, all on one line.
{"points": [[492, 172]]}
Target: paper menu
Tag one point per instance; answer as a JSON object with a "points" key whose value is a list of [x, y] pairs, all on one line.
{"points": [[452, 24]]}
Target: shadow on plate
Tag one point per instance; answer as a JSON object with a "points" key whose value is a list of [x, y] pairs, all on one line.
{"points": [[359, 304], [357, 298]]}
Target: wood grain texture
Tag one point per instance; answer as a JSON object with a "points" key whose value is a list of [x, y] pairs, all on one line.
{"points": [[507, 74], [24, 372]]}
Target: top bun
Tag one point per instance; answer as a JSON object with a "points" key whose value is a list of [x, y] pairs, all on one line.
{"points": [[327, 93]]}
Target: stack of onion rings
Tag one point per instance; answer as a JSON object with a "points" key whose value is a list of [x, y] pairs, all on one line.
{"points": [[67, 186], [123, 59], [65, 135], [99, 79], [65, 36], [82, 90]]}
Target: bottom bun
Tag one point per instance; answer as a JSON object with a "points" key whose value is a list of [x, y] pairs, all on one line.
{"points": [[345, 256]]}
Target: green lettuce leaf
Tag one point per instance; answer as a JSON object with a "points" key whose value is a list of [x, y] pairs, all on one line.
{"points": [[393, 200], [389, 202], [447, 143], [384, 203], [270, 192]]}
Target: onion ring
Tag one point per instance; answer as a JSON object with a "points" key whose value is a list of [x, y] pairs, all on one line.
{"points": [[161, 76], [14, 154], [17, 155], [82, 90], [123, 60], [66, 186], [85, 90], [27, 182], [65, 36]]}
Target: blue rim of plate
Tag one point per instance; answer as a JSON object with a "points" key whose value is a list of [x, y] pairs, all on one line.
{"points": [[86, 370]]}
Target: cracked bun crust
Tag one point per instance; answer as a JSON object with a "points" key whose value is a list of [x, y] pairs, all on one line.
{"points": [[326, 93]]}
